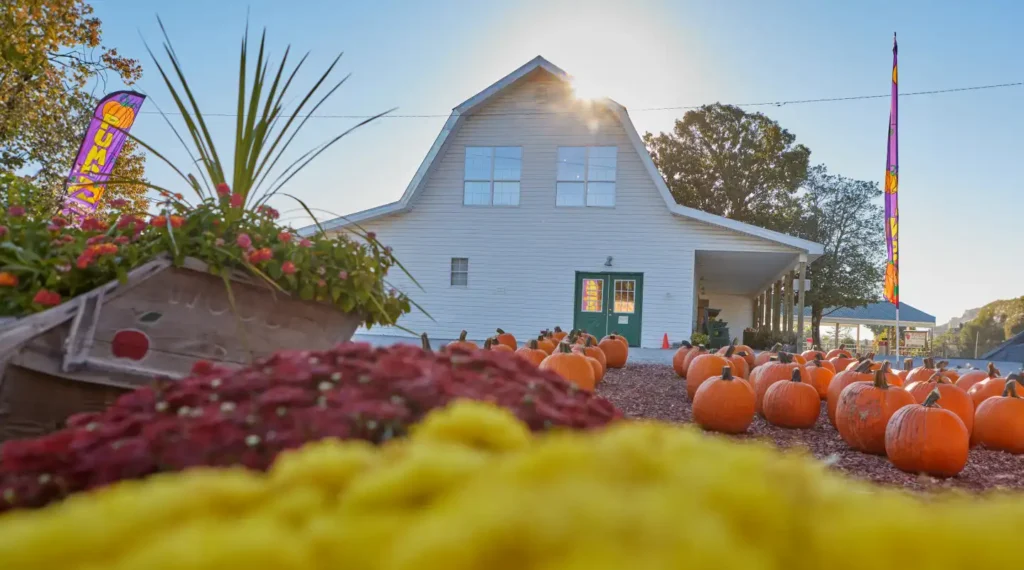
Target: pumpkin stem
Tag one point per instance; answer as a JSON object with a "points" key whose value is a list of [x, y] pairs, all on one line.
{"points": [[886, 366], [785, 358], [864, 367], [499, 331], [908, 364], [933, 397], [941, 365], [730, 350], [776, 348], [532, 345], [564, 347], [726, 373], [685, 344], [817, 362], [558, 329], [993, 372], [880, 379], [462, 336], [842, 347], [796, 375], [488, 343], [938, 377], [425, 342], [1010, 391]]}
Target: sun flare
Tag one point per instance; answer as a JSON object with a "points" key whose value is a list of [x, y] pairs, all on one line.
{"points": [[586, 89]]}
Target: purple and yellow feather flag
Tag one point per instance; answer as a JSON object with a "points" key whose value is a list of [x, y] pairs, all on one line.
{"points": [[892, 214]]}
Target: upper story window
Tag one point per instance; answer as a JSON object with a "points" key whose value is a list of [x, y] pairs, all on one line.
{"points": [[492, 175], [586, 176]]}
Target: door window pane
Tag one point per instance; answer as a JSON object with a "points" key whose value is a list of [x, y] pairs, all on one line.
{"points": [[601, 164], [593, 296], [572, 161], [477, 194], [569, 193], [460, 271], [508, 162], [625, 296], [601, 194]]}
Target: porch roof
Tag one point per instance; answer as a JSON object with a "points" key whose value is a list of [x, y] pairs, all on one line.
{"points": [[743, 272]]}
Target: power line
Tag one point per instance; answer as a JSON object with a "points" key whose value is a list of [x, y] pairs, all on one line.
{"points": [[646, 109]]}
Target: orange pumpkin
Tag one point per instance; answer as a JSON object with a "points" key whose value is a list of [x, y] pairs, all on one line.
{"points": [[559, 334], [814, 354], [841, 381], [891, 377], [724, 403], [767, 355], [592, 350], [989, 389], [842, 363], [738, 361], [703, 367], [969, 379], [493, 345], [772, 372], [581, 336], [544, 343], [922, 373], [953, 375], [925, 438], [688, 359], [794, 404], [616, 350], [953, 399], [823, 364], [532, 353], [618, 337], [679, 356], [999, 422], [864, 410], [838, 352], [462, 344], [798, 359], [507, 339], [743, 350], [819, 377], [571, 366]]}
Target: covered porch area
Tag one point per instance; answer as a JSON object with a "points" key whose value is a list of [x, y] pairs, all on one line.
{"points": [[916, 342], [750, 290]]}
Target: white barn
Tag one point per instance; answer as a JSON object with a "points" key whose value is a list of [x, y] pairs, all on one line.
{"points": [[534, 209]]}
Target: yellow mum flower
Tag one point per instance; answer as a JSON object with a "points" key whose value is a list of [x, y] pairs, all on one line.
{"points": [[474, 424]]}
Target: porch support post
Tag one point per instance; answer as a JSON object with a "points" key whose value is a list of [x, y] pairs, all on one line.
{"points": [[766, 308], [800, 300], [790, 277], [757, 311], [776, 306]]}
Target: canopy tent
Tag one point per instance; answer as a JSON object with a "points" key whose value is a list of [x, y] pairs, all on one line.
{"points": [[876, 314], [1010, 351]]}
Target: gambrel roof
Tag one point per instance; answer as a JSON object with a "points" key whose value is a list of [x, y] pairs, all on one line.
{"points": [[466, 109]]}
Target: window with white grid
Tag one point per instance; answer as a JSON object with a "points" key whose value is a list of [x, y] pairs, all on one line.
{"points": [[625, 296], [460, 271], [492, 175], [586, 176]]}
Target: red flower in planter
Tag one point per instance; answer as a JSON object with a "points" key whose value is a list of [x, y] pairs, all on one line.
{"points": [[16, 211], [223, 189], [288, 268], [177, 221], [302, 243], [3, 231], [244, 241], [46, 298], [158, 221], [237, 200], [8, 279], [285, 237]]}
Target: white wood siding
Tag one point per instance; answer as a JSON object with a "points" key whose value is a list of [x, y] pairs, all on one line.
{"points": [[737, 311], [522, 260]]}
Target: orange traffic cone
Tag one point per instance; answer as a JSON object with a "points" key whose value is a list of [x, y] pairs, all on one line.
{"points": [[664, 342]]}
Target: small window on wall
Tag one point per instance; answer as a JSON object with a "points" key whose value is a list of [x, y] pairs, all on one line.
{"points": [[491, 176], [460, 271], [586, 176]]}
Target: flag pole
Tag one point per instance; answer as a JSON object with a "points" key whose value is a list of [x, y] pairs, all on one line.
{"points": [[897, 333]]}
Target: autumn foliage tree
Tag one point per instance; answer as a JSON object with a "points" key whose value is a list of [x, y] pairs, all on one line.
{"points": [[726, 161], [51, 62]]}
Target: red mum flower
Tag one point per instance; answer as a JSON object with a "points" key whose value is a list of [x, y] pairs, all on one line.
{"points": [[46, 298], [16, 211], [177, 221], [236, 200], [158, 221], [244, 241], [223, 189], [288, 268], [305, 243], [285, 237]]}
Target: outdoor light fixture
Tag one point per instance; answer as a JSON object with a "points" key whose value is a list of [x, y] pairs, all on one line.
{"points": [[608, 262]]}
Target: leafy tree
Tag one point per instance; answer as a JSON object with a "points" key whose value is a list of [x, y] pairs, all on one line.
{"points": [[51, 62], [842, 214], [723, 160]]}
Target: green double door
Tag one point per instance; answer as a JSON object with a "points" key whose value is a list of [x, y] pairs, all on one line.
{"points": [[609, 302]]}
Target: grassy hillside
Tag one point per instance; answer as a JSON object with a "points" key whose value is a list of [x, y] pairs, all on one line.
{"points": [[993, 324]]}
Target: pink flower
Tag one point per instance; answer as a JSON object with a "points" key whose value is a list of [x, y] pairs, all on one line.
{"points": [[118, 203], [302, 243], [223, 189], [16, 211], [321, 283], [219, 242], [59, 221], [46, 298], [343, 275], [371, 235], [285, 237], [121, 240], [3, 231], [236, 200], [244, 241], [53, 227], [288, 268]]}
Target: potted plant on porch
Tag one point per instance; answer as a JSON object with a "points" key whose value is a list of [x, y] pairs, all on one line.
{"points": [[90, 309]]}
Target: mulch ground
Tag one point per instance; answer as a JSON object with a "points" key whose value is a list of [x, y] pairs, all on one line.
{"points": [[654, 391]]}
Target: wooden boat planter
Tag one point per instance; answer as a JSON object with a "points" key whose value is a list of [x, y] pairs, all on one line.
{"points": [[81, 355]]}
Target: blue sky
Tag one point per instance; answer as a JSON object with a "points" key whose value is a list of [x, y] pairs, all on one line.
{"points": [[961, 189]]}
